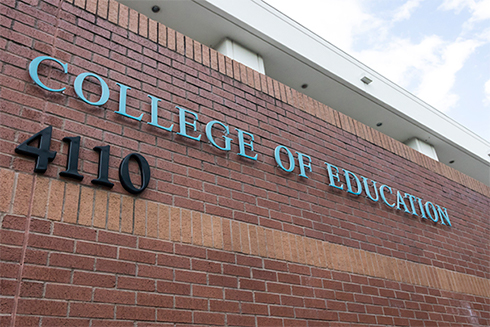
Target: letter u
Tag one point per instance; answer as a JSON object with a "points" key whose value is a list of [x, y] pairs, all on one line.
{"points": [[368, 193]]}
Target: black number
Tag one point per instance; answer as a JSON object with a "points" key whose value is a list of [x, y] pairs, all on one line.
{"points": [[42, 153], [72, 162], [124, 173], [103, 175]]}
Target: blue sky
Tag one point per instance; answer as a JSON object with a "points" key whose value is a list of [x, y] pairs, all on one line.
{"points": [[438, 50]]}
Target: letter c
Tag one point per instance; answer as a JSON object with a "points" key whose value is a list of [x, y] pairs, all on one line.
{"points": [[381, 191], [33, 71]]}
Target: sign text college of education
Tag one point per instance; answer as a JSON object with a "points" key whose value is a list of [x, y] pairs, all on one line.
{"points": [[187, 121]]}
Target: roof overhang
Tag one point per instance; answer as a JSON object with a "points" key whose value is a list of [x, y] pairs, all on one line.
{"points": [[294, 56]]}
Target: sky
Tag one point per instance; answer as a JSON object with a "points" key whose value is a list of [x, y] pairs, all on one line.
{"points": [[439, 50]]}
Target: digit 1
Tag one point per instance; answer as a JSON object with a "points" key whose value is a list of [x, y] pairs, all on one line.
{"points": [[72, 161], [103, 174]]}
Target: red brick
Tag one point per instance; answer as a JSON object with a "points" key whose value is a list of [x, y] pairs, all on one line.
{"points": [[209, 318], [275, 265], [76, 232], [155, 272], [221, 256], [42, 307], [240, 320], [206, 291], [113, 323], [302, 291], [31, 289], [46, 274], [114, 296], [281, 311], [224, 306], [314, 303], [14, 222], [91, 310], [24, 321], [133, 283], [173, 261], [155, 300], [135, 313], [251, 284], [267, 298], [40, 226], [190, 276], [9, 270], [137, 256], [94, 279], [190, 303], [8, 253], [278, 288], [173, 288], [288, 278], [11, 237], [155, 245], [71, 261], [205, 265], [298, 301], [238, 295], [117, 239], [236, 270], [191, 251], [72, 322], [174, 316], [8, 287], [266, 321], [96, 249], [68, 292], [220, 280], [115, 266], [264, 274], [249, 261]]}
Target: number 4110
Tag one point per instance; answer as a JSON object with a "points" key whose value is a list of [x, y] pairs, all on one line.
{"points": [[43, 156]]}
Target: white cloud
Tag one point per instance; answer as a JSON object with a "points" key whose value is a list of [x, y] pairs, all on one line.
{"points": [[425, 64], [401, 60], [456, 5], [438, 79], [486, 101], [479, 10], [427, 67], [405, 11]]}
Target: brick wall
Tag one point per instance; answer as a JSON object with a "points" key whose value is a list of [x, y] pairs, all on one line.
{"points": [[215, 238]]}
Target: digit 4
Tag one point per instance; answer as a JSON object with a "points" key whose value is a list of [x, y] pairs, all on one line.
{"points": [[42, 153]]}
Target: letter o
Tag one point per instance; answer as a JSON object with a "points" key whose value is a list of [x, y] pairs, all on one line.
{"points": [[79, 91], [124, 173], [277, 156], [436, 216]]}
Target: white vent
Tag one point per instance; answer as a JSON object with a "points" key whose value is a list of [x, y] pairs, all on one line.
{"points": [[422, 147], [243, 55]]}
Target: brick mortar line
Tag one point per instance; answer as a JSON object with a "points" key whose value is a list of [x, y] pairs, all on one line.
{"points": [[267, 242], [286, 94], [342, 121], [33, 187], [24, 251]]}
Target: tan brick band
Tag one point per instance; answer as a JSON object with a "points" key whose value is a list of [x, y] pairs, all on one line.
{"points": [[73, 203], [137, 23]]}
